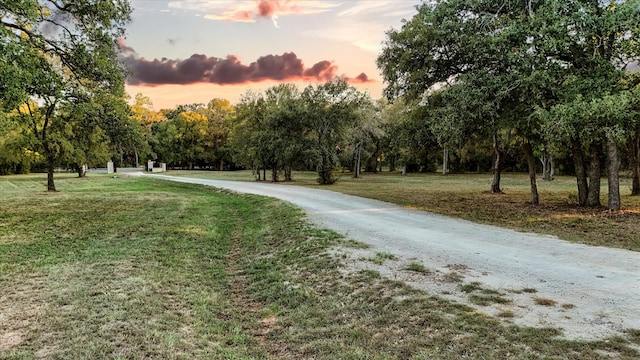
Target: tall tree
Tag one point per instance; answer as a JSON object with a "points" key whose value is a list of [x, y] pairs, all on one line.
{"points": [[54, 51], [331, 108], [219, 113], [248, 137], [143, 113]]}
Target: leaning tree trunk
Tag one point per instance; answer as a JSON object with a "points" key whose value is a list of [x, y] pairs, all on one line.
{"points": [[613, 176], [531, 162], [497, 166], [633, 142], [581, 173], [593, 195]]}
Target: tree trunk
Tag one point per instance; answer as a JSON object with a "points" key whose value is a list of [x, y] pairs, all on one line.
{"points": [[581, 174], [593, 195], [531, 162], [497, 166], [613, 176], [372, 164], [325, 171], [50, 184], [81, 171], [547, 166], [264, 173], [392, 163], [445, 160], [221, 168], [358, 165], [633, 143], [404, 170], [287, 173]]}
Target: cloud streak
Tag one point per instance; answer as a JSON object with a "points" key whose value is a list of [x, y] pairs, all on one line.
{"points": [[200, 68], [252, 10]]}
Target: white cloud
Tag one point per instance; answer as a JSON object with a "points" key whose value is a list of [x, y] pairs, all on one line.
{"points": [[364, 35], [380, 7], [364, 23]]}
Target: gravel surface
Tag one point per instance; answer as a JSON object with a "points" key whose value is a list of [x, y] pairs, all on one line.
{"points": [[590, 292]]}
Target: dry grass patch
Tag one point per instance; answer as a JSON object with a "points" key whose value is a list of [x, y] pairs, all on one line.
{"points": [[22, 304], [545, 301]]}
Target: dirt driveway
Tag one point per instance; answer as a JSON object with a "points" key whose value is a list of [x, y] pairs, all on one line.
{"points": [[588, 292]]}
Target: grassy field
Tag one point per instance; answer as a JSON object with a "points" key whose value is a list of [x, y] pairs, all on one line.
{"points": [[466, 196], [129, 268]]}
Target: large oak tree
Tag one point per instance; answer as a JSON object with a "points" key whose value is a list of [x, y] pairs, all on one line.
{"points": [[53, 52]]}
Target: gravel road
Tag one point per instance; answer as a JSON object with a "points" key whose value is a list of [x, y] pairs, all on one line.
{"points": [[594, 291]]}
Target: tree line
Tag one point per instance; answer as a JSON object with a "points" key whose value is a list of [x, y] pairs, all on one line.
{"points": [[536, 86]]}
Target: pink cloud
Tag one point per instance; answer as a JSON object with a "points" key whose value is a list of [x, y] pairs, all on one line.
{"points": [[230, 70], [250, 11]]}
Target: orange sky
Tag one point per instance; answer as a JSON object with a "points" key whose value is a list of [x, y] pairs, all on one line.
{"points": [[192, 51]]}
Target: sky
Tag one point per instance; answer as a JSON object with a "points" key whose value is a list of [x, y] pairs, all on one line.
{"points": [[191, 51]]}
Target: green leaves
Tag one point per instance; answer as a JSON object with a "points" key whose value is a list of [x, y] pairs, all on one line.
{"points": [[285, 128]]}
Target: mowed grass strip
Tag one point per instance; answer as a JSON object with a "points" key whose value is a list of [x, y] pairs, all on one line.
{"points": [[128, 268], [466, 196]]}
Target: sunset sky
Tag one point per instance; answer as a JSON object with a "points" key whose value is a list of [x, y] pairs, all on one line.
{"points": [[191, 51]]}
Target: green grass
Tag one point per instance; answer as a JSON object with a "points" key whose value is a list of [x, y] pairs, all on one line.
{"points": [[466, 196], [417, 267], [380, 257], [128, 268]]}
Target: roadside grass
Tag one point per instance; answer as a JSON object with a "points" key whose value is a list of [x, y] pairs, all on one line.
{"points": [[129, 268], [417, 267], [380, 257], [466, 196]]}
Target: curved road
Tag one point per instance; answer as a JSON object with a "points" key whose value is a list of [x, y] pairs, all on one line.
{"points": [[596, 289]]}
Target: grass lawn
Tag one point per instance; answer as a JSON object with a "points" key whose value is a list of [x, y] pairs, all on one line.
{"points": [[132, 268], [466, 196]]}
